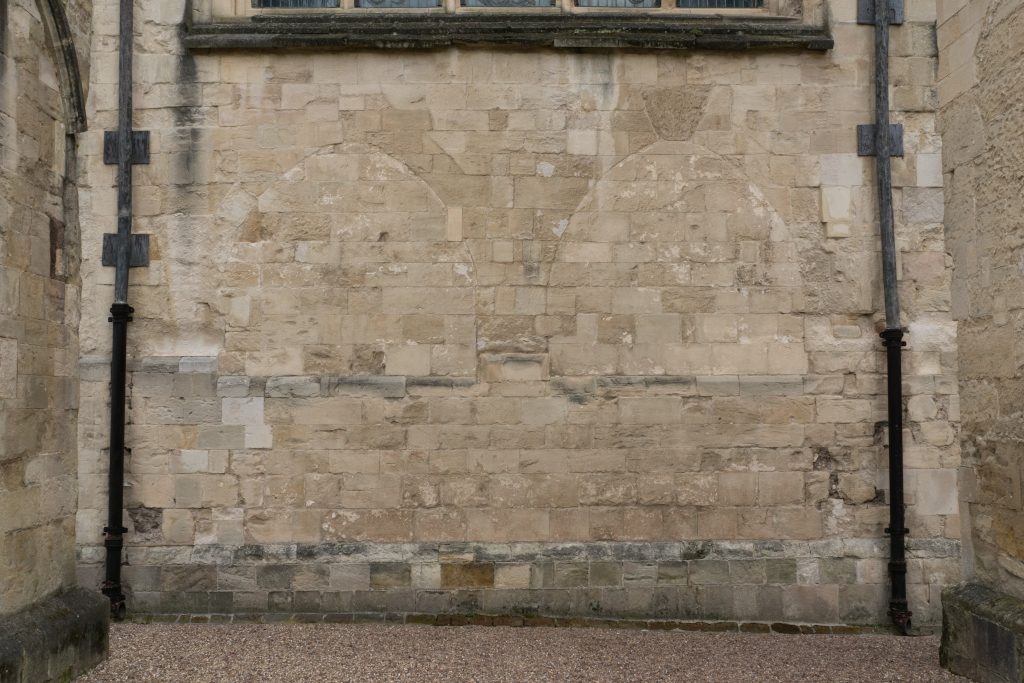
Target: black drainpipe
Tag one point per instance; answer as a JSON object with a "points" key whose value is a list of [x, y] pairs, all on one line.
{"points": [[120, 316], [887, 12]]}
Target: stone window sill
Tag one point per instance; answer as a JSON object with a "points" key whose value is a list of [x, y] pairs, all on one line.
{"points": [[607, 30]]}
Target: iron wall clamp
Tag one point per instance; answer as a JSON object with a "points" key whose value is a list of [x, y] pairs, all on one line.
{"points": [[138, 249]]}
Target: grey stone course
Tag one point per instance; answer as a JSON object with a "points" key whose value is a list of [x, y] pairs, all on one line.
{"points": [[720, 581]]}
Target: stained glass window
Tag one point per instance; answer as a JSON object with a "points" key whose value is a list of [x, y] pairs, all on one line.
{"points": [[720, 4], [398, 4], [296, 4], [429, 4], [508, 3], [623, 4]]}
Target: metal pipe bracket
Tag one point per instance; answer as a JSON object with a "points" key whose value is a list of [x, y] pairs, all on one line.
{"points": [[138, 250], [140, 147], [866, 12], [866, 140]]}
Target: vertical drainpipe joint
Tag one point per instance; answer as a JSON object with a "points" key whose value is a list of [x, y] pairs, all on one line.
{"points": [[120, 312], [899, 608]]}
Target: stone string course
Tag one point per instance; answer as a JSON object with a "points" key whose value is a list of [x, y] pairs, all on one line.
{"points": [[834, 582], [393, 31], [477, 619], [837, 582]]}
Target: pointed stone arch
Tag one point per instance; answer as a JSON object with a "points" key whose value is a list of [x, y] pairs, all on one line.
{"points": [[65, 58], [401, 301], [683, 267]]}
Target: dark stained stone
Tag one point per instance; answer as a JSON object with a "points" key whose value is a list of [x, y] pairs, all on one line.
{"points": [[616, 30], [467, 575], [386, 575]]}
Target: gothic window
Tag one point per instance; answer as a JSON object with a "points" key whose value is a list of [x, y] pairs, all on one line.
{"points": [[622, 4], [398, 4], [294, 4], [509, 4], [721, 4]]}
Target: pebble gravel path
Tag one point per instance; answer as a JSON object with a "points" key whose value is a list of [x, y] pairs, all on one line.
{"points": [[200, 653]]}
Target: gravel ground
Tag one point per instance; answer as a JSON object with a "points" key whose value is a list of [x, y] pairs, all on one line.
{"points": [[271, 653]]}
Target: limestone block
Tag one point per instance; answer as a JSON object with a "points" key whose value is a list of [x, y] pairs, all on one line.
{"points": [[8, 368], [277, 526], [838, 230], [857, 487], [842, 170], [780, 488], [512, 576], [200, 364], [224, 436], [649, 410], [350, 576], [259, 436], [408, 360], [178, 526], [842, 410], [836, 205], [936, 492], [279, 362], [808, 603], [280, 387], [200, 491], [193, 461], [929, 170], [922, 408], [228, 526], [737, 488], [233, 386], [426, 576], [923, 205], [242, 411]]}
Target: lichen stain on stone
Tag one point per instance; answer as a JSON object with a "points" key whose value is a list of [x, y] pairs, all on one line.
{"points": [[676, 112], [791, 8], [1007, 531], [146, 521], [190, 94]]}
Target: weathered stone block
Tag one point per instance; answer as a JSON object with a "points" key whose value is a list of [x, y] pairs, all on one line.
{"points": [[350, 577], [706, 572], [390, 575], [512, 576], [813, 604], [571, 574], [467, 575], [982, 634], [58, 638]]}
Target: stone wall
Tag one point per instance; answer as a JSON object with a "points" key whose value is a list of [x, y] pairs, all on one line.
{"points": [[981, 92], [49, 629], [39, 301], [505, 331], [982, 120]]}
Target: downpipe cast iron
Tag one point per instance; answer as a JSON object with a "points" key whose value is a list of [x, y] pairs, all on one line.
{"points": [[120, 316], [887, 12], [899, 610]]}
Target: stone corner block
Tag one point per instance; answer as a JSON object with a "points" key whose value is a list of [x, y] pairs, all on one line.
{"points": [[983, 634], [57, 638]]}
